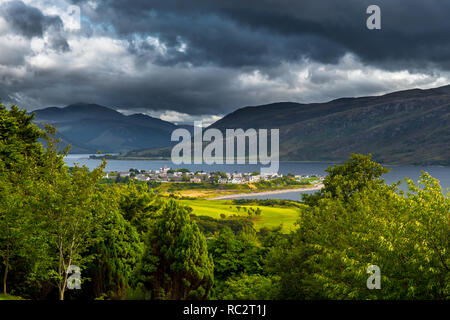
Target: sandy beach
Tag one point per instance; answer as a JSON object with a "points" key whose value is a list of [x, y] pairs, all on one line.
{"points": [[263, 193]]}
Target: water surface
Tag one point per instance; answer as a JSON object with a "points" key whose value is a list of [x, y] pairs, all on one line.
{"points": [[318, 168]]}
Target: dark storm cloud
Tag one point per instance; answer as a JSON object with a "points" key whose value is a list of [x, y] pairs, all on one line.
{"points": [[182, 90], [265, 32], [202, 57]]}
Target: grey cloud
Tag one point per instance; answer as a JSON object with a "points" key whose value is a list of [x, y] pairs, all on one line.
{"points": [[30, 22], [267, 43], [247, 33], [197, 92], [57, 40], [27, 20]]}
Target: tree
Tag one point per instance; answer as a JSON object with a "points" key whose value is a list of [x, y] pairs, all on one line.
{"points": [[12, 219], [352, 176], [234, 255], [19, 154], [407, 236], [270, 237], [176, 264], [64, 205], [138, 206], [18, 139], [116, 248], [249, 287]]}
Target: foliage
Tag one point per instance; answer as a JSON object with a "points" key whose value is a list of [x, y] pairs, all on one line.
{"points": [[176, 263], [407, 236], [19, 155], [138, 205], [209, 225], [234, 254], [131, 242], [248, 287], [343, 180], [67, 218], [267, 202], [116, 249]]}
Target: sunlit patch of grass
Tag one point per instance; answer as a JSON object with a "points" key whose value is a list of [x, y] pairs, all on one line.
{"points": [[9, 297], [270, 216]]}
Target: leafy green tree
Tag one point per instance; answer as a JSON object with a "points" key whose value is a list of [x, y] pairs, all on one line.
{"points": [[64, 205], [18, 139], [176, 264], [116, 248], [271, 237], [407, 236], [12, 237], [138, 206], [234, 255], [19, 154], [345, 179], [249, 287]]}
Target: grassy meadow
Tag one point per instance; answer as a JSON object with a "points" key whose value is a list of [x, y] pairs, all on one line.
{"points": [[9, 297], [270, 216]]}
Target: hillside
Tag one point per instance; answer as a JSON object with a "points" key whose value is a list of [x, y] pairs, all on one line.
{"points": [[406, 127], [403, 127], [90, 127]]}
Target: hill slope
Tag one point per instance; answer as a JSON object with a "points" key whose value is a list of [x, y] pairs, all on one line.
{"points": [[406, 127], [410, 126]]}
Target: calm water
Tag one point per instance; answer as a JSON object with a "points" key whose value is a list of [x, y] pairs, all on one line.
{"points": [[397, 173]]}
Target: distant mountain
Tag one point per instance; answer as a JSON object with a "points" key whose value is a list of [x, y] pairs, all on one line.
{"points": [[406, 127], [90, 127]]}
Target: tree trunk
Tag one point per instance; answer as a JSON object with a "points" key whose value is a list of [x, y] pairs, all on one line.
{"points": [[62, 287], [5, 276], [61, 294]]}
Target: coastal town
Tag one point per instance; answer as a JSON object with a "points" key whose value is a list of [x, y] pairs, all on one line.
{"points": [[167, 174]]}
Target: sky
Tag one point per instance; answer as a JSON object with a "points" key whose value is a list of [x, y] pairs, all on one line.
{"points": [[200, 60]]}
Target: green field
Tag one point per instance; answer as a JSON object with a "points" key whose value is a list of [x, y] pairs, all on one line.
{"points": [[270, 216], [9, 297]]}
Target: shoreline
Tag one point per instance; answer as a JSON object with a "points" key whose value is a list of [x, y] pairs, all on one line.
{"points": [[264, 193], [331, 162]]}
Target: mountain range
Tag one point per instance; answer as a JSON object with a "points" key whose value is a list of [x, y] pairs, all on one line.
{"points": [[89, 128], [405, 127]]}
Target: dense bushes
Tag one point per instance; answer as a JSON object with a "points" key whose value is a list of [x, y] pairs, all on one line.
{"points": [[209, 226]]}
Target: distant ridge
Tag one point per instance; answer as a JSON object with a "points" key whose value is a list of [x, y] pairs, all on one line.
{"points": [[404, 127], [89, 128]]}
